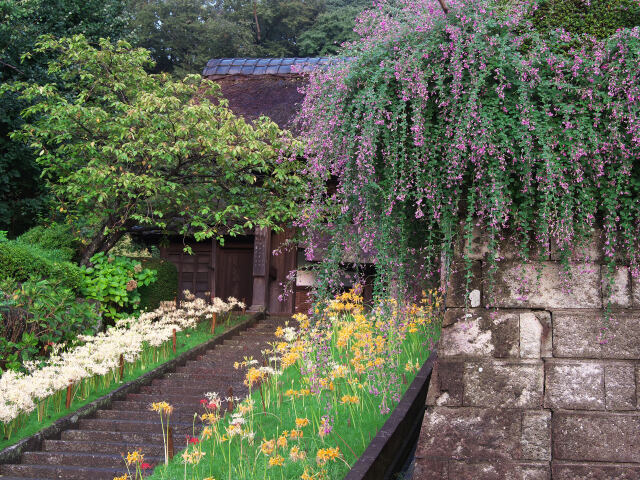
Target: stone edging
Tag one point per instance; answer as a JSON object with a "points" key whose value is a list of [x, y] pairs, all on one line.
{"points": [[33, 442], [392, 446]]}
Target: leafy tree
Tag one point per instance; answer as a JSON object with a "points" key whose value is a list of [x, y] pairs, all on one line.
{"points": [[22, 193], [130, 150], [182, 35], [331, 28]]}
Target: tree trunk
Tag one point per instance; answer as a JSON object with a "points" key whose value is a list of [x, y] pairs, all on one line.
{"points": [[100, 243], [255, 17]]}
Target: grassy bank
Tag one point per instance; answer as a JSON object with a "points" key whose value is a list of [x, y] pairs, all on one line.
{"points": [[84, 393]]}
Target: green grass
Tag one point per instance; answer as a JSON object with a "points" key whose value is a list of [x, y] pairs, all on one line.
{"points": [[94, 389], [353, 429]]}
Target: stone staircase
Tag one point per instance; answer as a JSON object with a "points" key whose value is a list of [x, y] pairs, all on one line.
{"points": [[94, 451]]}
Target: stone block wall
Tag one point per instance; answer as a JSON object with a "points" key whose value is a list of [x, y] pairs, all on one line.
{"points": [[531, 382]]}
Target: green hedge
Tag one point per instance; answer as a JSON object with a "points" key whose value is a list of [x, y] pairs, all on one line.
{"points": [[601, 18], [164, 288], [57, 238], [20, 261]]}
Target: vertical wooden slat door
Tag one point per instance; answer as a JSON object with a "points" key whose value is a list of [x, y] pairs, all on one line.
{"points": [[234, 271], [195, 272]]}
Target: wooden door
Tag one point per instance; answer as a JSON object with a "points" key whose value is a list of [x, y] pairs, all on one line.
{"points": [[234, 272], [195, 272]]}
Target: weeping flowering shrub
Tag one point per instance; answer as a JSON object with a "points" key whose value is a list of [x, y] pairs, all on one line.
{"points": [[439, 123]]}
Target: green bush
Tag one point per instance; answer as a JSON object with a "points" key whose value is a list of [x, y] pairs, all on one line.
{"points": [[37, 314], [114, 281], [20, 261], [57, 238], [600, 18], [165, 287]]}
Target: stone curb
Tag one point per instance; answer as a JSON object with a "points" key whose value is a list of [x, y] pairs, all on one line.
{"points": [[392, 446], [33, 442]]}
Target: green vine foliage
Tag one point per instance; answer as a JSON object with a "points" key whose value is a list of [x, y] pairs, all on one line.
{"points": [[441, 123], [114, 282]]}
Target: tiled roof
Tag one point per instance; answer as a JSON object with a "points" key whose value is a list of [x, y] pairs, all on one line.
{"points": [[264, 66]]}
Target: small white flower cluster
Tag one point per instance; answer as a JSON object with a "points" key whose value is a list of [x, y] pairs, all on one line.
{"points": [[100, 354]]}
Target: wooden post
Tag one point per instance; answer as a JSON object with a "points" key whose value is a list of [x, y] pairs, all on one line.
{"points": [[121, 366], [214, 318], [244, 308], [170, 451], [173, 340], [68, 402], [230, 405]]}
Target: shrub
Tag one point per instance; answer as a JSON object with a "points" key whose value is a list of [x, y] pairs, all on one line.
{"points": [[441, 124], [21, 261], [164, 288], [37, 314], [58, 238], [114, 281]]}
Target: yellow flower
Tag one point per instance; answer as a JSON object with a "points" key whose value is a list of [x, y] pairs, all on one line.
{"points": [[302, 422], [326, 454], [282, 440], [192, 457], [349, 399], [123, 477], [254, 376], [268, 446], [134, 457], [296, 434], [306, 476], [276, 460], [206, 433], [296, 454], [162, 407], [279, 332]]}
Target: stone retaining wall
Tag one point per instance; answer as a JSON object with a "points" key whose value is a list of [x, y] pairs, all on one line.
{"points": [[529, 384]]}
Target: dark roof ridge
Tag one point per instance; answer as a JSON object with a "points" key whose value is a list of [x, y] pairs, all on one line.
{"points": [[267, 66]]}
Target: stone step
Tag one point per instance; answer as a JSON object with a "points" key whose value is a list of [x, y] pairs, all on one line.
{"points": [[150, 449], [118, 437], [109, 425], [61, 472], [177, 416], [81, 459], [171, 399]]}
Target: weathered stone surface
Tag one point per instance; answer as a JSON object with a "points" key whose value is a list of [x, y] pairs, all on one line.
{"points": [[586, 334], [620, 290], [430, 469], [503, 384], [498, 471], [620, 386], [470, 433], [635, 292], [457, 293], [575, 385], [536, 435], [599, 437], [479, 333], [594, 471], [535, 334], [521, 286], [445, 388]]}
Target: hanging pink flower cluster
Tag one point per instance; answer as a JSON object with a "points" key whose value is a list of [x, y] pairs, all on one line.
{"points": [[441, 122]]}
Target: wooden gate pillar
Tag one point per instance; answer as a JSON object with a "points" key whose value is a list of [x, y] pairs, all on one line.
{"points": [[261, 260]]}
